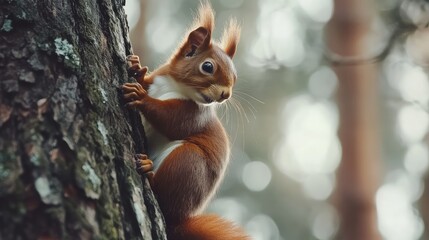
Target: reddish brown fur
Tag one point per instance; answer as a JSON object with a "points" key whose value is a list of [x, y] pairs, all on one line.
{"points": [[190, 174], [196, 229]]}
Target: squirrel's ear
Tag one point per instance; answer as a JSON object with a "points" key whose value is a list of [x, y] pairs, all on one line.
{"points": [[198, 40]]}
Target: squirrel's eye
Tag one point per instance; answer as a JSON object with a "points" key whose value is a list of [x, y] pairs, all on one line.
{"points": [[207, 67]]}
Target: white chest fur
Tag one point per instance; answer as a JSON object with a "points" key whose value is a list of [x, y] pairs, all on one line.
{"points": [[162, 88]]}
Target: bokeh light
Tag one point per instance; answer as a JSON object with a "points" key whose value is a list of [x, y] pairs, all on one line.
{"points": [[230, 208], [318, 187], [132, 8], [413, 122], [262, 227], [323, 82], [269, 44], [410, 81], [397, 217], [325, 223], [256, 175], [416, 159], [163, 33], [319, 11], [309, 147], [281, 62]]}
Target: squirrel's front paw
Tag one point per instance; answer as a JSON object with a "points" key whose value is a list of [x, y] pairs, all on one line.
{"points": [[134, 94], [135, 69], [143, 164]]}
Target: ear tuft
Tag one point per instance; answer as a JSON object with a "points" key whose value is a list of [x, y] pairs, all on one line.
{"points": [[205, 17], [199, 37], [231, 37]]}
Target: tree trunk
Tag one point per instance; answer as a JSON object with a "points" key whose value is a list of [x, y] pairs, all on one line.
{"points": [[357, 176], [66, 141], [424, 206]]}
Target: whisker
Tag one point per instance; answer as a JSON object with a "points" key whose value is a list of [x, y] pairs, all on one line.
{"points": [[229, 108], [240, 120], [251, 108], [250, 96], [237, 123], [240, 108], [224, 109]]}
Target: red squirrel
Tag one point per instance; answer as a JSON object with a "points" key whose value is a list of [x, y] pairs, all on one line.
{"points": [[187, 142]]}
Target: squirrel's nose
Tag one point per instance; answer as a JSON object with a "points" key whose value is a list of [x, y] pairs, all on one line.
{"points": [[224, 95]]}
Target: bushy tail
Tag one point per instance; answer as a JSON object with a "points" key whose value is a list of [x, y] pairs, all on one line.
{"points": [[207, 227]]}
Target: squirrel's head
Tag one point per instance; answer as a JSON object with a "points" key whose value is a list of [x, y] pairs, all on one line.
{"points": [[204, 66]]}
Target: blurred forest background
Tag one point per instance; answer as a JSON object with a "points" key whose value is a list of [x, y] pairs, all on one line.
{"points": [[329, 119]]}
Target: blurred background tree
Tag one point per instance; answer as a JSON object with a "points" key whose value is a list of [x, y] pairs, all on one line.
{"points": [[357, 174], [329, 119]]}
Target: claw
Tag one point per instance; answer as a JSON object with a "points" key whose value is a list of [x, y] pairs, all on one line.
{"points": [[140, 156], [143, 164], [134, 94], [133, 58], [135, 69]]}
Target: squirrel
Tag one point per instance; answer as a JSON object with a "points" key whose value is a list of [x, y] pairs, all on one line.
{"points": [[186, 139]]}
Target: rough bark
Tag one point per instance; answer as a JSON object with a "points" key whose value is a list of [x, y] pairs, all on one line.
{"points": [[357, 176], [66, 142], [424, 207], [424, 202]]}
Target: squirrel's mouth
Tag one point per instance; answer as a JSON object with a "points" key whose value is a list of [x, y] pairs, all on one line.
{"points": [[206, 98]]}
